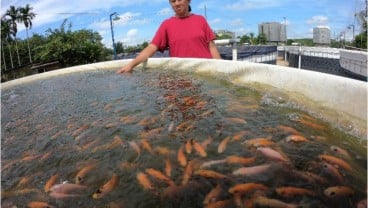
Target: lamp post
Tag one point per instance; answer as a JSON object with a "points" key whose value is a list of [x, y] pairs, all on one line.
{"points": [[112, 35], [352, 26]]}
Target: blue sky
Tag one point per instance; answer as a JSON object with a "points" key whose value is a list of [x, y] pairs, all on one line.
{"points": [[139, 19]]}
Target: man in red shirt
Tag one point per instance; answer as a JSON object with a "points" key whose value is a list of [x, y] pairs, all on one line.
{"points": [[186, 35]]}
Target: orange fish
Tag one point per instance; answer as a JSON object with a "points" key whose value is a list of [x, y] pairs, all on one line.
{"points": [[107, 187], [335, 161], [288, 129], [246, 188], [188, 171], [206, 142], [147, 146], [144, 181], [232, 159], [254, 170], [222, 146], [199, 149], [135, 147], [81, 175], [157, 174], [39, 204], [296, 138], [188, 146], [210, 174], [168, 167], [181, 157], [267, 202], [162, 150], [212, 195], [220, 204], [51, 182], [332, 170], [289, 191], [338, 191], [212, 162], [236, 120], [340, 151], [239, 135], [273, 154], [259, 142]]}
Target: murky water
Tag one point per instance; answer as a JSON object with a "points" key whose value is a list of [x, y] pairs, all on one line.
{"points": [[125, 126]]}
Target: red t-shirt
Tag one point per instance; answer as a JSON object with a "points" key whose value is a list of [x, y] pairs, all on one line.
{"points": [[186, 37]]}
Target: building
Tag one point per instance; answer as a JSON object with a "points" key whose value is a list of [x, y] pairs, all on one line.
{"points": [[274, 31], [321, 36], [225, 33]]}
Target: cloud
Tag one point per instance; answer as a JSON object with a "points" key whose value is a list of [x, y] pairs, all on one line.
{"points": [[253, 4], [318, 20]]}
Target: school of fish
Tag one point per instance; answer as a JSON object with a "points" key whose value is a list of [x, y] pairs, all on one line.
{"points": [[223, 169]]}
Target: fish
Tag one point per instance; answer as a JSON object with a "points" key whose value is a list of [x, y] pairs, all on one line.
{"points": [[309, 176], [82, 173], [296, 138], [289, 191], [288, 129], [210, 174], [162, 150], [333, 171], [58, 195], [273, 154], [274, 203], [182, 159], [236, 120], [338, 191], [107, 187], [50, 182], [212, 162], [188, 172], [78, 131], [220, 204], [340, 151], [222, 146], [212, 195], [168, 167], [67, 188], [206, 142], [246, 188], [239, 135], [254, 170], [188, 146], [135, 147], [39, 204], [199, 149], [147, 146], [233, 159], [335, 161], [117, 142], [144, 181], [159, 175], [259, 142]]}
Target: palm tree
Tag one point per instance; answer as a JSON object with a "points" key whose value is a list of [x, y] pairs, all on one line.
{"points": [[13, 14], [6, 37], [26, 17]]}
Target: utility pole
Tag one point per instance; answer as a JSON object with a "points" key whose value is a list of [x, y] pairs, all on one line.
{"points": [[205, 11]]}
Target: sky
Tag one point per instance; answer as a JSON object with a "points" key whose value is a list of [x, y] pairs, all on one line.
{"points": [[136, 21]]}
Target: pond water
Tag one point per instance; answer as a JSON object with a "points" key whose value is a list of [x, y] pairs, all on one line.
{"points": [[161, 138]]}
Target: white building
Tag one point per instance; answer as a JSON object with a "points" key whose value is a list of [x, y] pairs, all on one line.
{"points": [[274, 31], [322, 35]]}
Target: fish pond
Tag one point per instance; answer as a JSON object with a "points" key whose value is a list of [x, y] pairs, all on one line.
{"points": [[163, 138]]}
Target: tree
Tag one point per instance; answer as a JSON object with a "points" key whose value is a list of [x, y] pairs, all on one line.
{"points": [[262, 39], [13, 14], [26, 17], [119, 47], [6, 37]]}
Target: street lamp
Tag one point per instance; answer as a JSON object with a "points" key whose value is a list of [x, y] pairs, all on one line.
{"points": [[351, 26], [112, 33]]}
